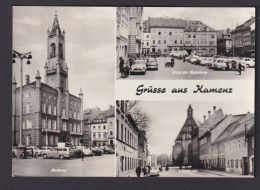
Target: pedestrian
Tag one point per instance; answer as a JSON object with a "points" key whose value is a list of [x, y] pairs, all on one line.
{"points": [[32, 152], [239, 68], [131, 61], [121, 65], [149, 169], [138, 171], [144, 172]]}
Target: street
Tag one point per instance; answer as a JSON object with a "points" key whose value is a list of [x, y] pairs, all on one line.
{"points": [[187, 71], [175, 172], [96, 166]]}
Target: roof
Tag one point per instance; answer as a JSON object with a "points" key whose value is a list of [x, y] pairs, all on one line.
{"points": [[245, 25], [177, 23], [232, 126], [95, 113], [55, 25], [213, 119]]}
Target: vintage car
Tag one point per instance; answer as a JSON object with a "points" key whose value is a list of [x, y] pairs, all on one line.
{"points": [[221, 64], [154, 171], [152, 63], [35, 150], [138, 66], [248, 62], [61, 153], [97, 151], [195, 60], [87, 152], [108, 150]]}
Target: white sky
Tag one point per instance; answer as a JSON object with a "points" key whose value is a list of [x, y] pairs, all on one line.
{"points": [[90, 47], [168, 118], [217, 18]]}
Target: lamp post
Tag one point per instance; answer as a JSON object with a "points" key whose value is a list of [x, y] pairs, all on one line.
{"points": [[21, 56]]}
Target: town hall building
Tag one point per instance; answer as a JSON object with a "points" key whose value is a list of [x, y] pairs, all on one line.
{"points": [[50, 113]]}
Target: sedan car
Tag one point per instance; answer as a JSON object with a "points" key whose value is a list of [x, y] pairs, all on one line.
{"points": [[87, 152], [220, 64], [152, 63], [154, 171], [108, 150], [138, 66], [96, 151]]}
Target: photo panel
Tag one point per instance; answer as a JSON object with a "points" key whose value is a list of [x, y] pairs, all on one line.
{"points": [[62, 121]]}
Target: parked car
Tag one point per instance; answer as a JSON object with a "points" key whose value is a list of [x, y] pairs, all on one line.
{"points": [[220, 64], [108, 150], [138, 66], [152, 63], [154, 171], [248, 62], [87, 152], [96, 151], [61, 153], [36, 151], [195, 60]]}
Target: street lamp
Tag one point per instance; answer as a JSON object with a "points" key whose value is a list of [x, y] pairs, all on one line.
{"points": [[21, 56]]}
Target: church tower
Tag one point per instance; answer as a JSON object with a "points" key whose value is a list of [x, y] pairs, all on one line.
{"points": [[56, 71], [56, 68], [189, 112]]}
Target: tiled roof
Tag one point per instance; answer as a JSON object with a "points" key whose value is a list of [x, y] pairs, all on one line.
{"points": [[111, 112], [213, 119], [96, 114], [231, 127], [177, 23]]}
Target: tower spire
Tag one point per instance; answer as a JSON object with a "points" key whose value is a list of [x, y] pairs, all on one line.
{"points": [[55, 24]]}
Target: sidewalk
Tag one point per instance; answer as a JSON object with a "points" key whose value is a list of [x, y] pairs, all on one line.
{"points": [[224, 174]]}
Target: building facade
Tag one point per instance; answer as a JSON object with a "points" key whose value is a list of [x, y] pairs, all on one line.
{"points": [[99, 127], [126, 141], [242, 40], [168, 34], [50, 113]]}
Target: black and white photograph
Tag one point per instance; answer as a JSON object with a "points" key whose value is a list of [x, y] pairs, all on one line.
{"points": [[185, 139], [185, 43], [63, 113]]}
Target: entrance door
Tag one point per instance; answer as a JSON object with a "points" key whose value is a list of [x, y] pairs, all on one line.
{"points": [[245, 161]]}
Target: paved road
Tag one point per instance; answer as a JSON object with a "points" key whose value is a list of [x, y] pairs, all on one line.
{"points": [[187, 71], [96, 166]]}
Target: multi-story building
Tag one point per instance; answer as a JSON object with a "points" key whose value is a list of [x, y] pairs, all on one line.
{"points": [[200, 145], [135, 30], [250, 137], [224, 42], [122, 32], [169, 34], [183, 140], [126, 141], [253, 42], [50, 113], [241, 38], [99, 127], [146, 42]]}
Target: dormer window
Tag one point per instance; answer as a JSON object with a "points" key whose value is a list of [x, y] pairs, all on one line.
{"points": [[191, 28], [207, 29]]}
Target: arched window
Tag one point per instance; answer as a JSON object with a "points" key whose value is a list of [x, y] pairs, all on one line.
{"points": [[43, 108], [53, 50], [61, 51], [49, 109]]}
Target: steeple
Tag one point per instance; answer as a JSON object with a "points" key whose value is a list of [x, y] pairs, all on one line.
{"points": [[190, 112], [55, 25]]}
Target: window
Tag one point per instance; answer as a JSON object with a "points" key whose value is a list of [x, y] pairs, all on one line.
{"points": [[23, 125], [54, 124], [94, 135], [181, 42], [49, 124], [28, 123], [175, 41], [159, 33], [98, 127], [49, 109], [64, 126], [159, 41], [117, 129], [70, 126], [78, 128], [28, 107], [170, 33], [165, 41], [110, 132], [55, 141], [44, 108], [74, 128], [99, 135], [43, 123], [110, 123], [147, 43], [122, 132], [104, 127], [53, 50], [63, 112], [153, 41], [54, 110], [28, 140]]}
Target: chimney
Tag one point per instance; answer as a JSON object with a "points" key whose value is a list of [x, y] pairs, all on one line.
{"points": [[204, 118], [208, 113], [27, 79], [214, 109]]}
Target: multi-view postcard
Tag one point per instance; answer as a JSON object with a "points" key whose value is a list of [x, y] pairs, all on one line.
{"points": [[133, 92]]}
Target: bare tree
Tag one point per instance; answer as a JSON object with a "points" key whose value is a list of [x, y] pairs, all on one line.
{"points": [[131, 104]]}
